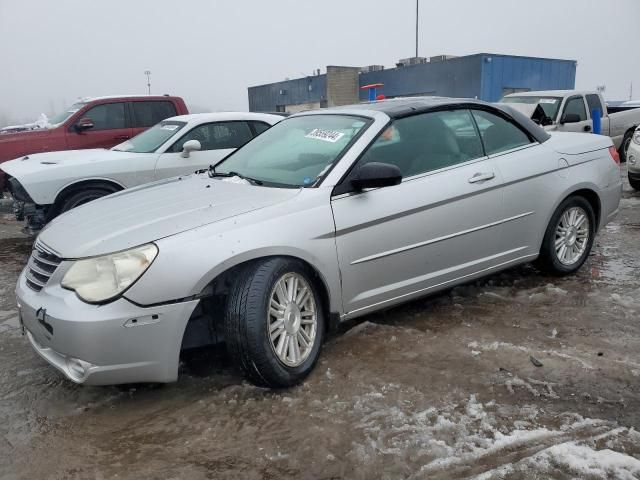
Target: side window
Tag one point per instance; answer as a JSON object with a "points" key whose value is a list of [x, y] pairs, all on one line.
{"points": [[216, 136], [108, 116], [147, 114], [430, 141], [593, 101], [259, 127], [576, 105], [499, 134]]}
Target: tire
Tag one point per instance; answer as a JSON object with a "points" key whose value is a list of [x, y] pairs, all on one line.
{"points": [[550, 259], [81, 197], [624, 146], [249, 319], [635, 184]]}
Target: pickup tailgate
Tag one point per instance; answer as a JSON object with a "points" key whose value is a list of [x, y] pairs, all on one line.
{"points": [[570, 143]]}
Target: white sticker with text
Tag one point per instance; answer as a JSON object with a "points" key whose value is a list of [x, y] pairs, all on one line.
{"points": [[169, 127], [325, 135]]}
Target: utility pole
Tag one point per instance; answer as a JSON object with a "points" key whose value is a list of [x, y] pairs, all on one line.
{"points": [[631, 92], [417, 23], [148, 74]]}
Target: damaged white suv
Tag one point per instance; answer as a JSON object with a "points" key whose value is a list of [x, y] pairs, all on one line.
{"points": [[324, 217]]}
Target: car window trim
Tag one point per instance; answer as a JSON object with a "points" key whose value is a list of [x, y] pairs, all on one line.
{"points": [[581, 97], [91, 107], [142, 100], [252, 127], [340, 188], [170, 148]]}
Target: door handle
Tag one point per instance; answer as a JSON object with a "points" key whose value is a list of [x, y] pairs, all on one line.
{"points": [[481, 177], [122, 137]]}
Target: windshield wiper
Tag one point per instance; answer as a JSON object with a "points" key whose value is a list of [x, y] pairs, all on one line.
{"points": [[213, 173]]}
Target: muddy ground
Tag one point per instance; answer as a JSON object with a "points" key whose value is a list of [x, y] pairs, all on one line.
{"points": [[439, 388]]}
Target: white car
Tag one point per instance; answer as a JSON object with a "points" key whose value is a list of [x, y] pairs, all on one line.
{"points": [[45, 185], [633, 161]]}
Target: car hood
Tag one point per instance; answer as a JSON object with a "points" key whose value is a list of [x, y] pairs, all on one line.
{"points": [[39, 162], [154, 211]]}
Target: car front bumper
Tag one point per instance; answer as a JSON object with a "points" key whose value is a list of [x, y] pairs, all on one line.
{"points": [[103, 344]]}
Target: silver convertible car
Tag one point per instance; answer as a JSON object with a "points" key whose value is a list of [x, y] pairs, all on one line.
{"points": [[327, 216]]}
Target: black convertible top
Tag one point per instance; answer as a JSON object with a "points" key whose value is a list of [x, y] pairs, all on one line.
{"points": [[405, 107]]}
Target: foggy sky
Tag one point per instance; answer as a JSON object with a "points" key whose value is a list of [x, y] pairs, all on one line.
{"points": [[209, 52]]}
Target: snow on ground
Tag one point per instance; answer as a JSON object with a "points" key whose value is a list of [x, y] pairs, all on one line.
{"points": [[472, 440]]}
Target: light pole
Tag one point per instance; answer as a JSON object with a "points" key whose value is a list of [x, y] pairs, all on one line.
{"points": [[416, 28], [148, 74]]}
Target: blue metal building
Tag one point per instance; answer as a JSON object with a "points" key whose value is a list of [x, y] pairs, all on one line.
{"points": [[486, 76]]}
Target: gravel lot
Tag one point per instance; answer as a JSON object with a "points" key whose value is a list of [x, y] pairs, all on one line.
{"points": [[444, 387]]}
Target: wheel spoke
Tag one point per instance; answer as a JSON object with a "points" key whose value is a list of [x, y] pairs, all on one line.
{"points": [[276, 313], [277, 325], [302, 297], [302, 339], [281, 291], [282, 344], [295, 348]]}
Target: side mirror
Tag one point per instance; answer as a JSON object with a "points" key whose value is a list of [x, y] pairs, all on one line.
{"points": [[84, 124], [375, 175], [570, 118], [190, 146]]}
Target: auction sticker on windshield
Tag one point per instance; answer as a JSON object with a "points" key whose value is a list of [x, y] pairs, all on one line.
{"points": [[169, 127], [325, 135], [548, 100]]}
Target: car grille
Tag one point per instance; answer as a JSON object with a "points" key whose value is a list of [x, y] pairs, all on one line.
{"points": [[41, 266]]}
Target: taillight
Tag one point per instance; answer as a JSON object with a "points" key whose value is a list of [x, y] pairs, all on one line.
{"points": [[614, 154]]}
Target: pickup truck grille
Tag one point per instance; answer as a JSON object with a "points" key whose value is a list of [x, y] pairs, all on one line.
{"points": [[41, 266]]}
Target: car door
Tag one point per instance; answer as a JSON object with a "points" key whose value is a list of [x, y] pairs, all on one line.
{"points": [[575, 105], [146, 113], [441, 224], [217, 140], [110, 127], [531, 173]]}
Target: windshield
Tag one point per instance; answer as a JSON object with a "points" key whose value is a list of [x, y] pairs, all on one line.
{"points": [[295, 152], [550, 105], [150, 140], [62, 117]]}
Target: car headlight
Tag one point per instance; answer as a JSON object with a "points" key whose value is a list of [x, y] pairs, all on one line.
{"points": [[636, 137], [99, 279]]}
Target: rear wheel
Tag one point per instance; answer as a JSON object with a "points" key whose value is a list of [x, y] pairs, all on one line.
{"points": [[569, 237], [635, 184], [275, 323]]}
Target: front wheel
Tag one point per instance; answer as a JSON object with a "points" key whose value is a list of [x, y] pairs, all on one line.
{"points": [[635, 184], [274, 322], [624, 146], [569, 237]]}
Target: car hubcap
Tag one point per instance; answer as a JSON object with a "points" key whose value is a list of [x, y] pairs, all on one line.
{"points": [[572, 235], [293, 319]]}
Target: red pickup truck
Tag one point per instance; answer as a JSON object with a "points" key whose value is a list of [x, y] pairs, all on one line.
{"points": [[100, 122]]}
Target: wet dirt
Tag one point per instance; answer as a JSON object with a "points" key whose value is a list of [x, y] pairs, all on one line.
{"points": [[444, 387]]}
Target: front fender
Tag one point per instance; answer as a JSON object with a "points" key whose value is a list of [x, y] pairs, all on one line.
{"points": [[189, 261]]}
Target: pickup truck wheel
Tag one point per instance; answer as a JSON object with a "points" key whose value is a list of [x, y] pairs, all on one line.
{"points": [[635, 184], [81, 197], [274, 325], [624, 146], [569, 237]]}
